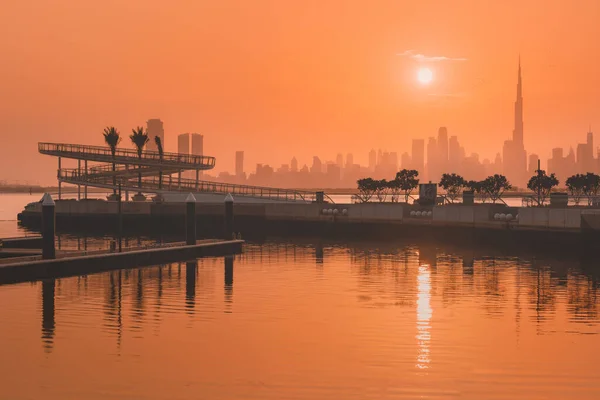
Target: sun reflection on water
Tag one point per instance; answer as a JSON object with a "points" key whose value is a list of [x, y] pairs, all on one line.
{"points": [[424, 312]]}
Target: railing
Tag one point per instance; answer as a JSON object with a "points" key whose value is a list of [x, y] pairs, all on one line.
{"points": [[151, 184], [131, 156]]}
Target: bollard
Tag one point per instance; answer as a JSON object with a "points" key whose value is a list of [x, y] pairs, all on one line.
{"points": [[229, 217], [48, 227], [190, 220]]}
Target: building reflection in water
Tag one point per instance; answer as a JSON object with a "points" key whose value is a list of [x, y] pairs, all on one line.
{"points": [[191, 268], [424, 313], [48, 324], [228, 283]]}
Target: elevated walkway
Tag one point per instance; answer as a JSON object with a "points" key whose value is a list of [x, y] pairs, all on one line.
{"points": [[127, 156], [121, 171]]}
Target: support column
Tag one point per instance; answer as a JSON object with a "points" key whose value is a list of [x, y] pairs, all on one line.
{"points": [[59, 182], [78, 178], [190, 220], [197, 179], [86, 186], [229, 234], [120, 218], [179, 177], [126, 191], [48, 227]]}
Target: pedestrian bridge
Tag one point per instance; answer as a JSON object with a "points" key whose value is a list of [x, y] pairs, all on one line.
{"points": [[152, 172]]}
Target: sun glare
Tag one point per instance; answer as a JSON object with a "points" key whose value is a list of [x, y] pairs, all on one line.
{"points": [[424, 76]]}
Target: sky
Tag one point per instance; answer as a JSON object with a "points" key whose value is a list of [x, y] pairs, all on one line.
{"points": [[294, 78]]}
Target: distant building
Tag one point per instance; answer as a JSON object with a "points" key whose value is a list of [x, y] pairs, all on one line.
{"points": [[454, 156], [372, 160], [533, 164], [317, 166], [339, 160], [349, 160], [442, 147], [197, 144], [154, 127], [513, 152], [405, 161], [239, 164], [418, 156], [294, 165], [183, 143], [433, 170]]}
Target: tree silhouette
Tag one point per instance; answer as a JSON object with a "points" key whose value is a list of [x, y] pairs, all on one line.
{"points": [[139, 137], [407, 180], [494, 186], [453, 184], [542, 184], [112, 138], [366, 189]]}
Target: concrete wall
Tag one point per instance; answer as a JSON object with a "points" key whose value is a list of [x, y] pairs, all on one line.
{"points": [[461, 213], [374, 211], [550, 217], [308, 211]]}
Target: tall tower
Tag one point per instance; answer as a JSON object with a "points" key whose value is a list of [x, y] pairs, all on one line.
{"points": [[518, 131], [154, 127]]}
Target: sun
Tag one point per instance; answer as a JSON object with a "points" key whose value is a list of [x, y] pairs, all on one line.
{"points": [[424, 76]]}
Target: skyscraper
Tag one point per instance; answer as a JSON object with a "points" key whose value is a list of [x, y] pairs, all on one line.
{"points": [[183, 143], [372, 160], [418, 156], [339, 160], [154, 127], [349, 160], [442, 146], [513, 152], [432, 164], [454, 156], [239, 164], [294, 165], [197, 144], [533, 164]]}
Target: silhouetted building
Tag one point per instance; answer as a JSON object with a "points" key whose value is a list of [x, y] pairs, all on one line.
{"points": [[405, 161], [197, 144], [454, 156], [154, 127], [418, 156], [442, 147], [317, 166], [339, 160], [372, 160], [239, 164], [432, 163], [349, 160], [294, 164], [183, 143], [533, 164], [513, 153]]}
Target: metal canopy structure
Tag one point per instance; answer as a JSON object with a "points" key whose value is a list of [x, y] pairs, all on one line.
{"points": [[123, 169]]}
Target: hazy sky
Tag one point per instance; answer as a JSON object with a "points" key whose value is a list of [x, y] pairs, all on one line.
{"points": [[283, 77]]}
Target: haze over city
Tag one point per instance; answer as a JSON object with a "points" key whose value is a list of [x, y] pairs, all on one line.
{"points": [[283, 79]]}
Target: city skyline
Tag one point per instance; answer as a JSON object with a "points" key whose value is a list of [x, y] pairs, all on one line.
{"points": [[262, 84]]}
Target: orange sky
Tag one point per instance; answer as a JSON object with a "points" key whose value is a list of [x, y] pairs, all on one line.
{"points": [[282, 78]]}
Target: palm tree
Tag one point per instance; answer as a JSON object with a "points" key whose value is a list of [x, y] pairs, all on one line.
{"points": [[160, 155], [112, 139], [139, 137]]}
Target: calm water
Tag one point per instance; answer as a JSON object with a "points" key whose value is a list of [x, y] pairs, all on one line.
{"points": [[310, 320]]}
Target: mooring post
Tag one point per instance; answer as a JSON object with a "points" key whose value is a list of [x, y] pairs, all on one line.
{"points": [[190, 220], [120, 219], [48, 227], [228, 216]]}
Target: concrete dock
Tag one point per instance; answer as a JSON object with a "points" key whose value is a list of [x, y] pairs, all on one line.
{"points": [[80, 263], [321, 218]]}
